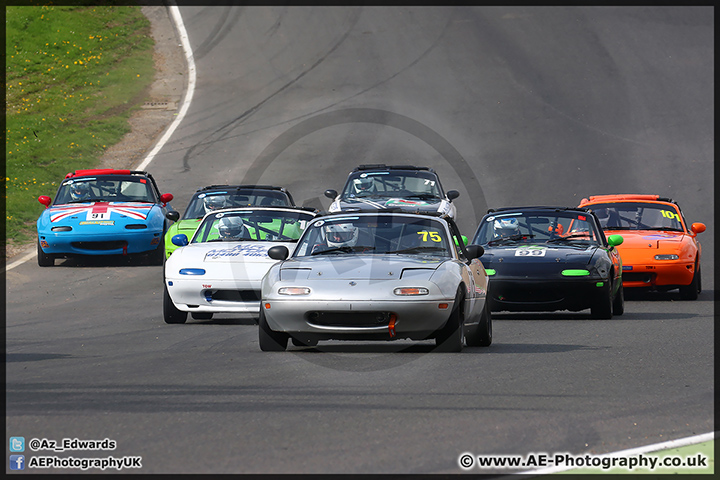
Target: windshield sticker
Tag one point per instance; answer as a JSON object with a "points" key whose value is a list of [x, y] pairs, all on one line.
{"points": [[492, 217], [670, 214], [402, 201], [530, 252], [433, 236], [245, 250]]}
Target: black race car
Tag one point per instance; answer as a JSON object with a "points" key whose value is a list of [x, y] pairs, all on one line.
{"points": [[375, 187], [550, 258]]}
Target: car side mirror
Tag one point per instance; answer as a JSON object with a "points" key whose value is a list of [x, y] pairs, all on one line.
{"points": [[166, 197], [45, 200], [173, 215], [615, 240], [474, 251], [453, 194], [695, 227], [278, 252], [331, 194], [180, 240]]}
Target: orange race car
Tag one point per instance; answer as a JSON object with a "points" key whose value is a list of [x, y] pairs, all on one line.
{"points": [[660, 251]]}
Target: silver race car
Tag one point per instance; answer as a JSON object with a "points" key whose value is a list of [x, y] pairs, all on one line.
{"points": [[220, 269], [376, 276]]}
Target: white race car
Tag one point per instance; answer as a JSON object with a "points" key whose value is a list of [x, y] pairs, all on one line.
{"points": [[221, 268]]}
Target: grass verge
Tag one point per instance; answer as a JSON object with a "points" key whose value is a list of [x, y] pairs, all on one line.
{"points": [[74, 75]]}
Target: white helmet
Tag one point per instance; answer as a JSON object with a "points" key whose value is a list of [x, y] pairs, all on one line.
{"points": [[363, 184], [231, 227], [79, 191], [504, 227], [341, 235], [214, 202]]}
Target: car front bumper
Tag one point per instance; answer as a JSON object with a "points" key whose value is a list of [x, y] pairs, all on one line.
{"points": [[110, 243], [215, 296], [518, 295], [658, 274], [356, 319]]}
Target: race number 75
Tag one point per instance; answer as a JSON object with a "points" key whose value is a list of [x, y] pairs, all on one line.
{"points": [[434, 236]]}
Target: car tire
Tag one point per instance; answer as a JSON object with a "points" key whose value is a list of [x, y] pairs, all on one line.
{"points": [[618, 306], [157, 256], [44, 259], [602, 309], [269, 339], [202, 315], [171, 314], [687, 292], [482, 335], [451, 337]]}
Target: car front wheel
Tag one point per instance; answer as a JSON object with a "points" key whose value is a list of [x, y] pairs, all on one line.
{"points": [[270, 340], [44, 260], [482, 335], [171, 314], [602, 309], [688, 292], [618, 307], [451, 337]]}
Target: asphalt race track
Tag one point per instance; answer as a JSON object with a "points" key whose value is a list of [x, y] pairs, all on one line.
{"points": [[512, 106]]}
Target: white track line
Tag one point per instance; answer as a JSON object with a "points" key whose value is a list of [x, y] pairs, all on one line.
{"points": [[656, 447], [175, 15]]}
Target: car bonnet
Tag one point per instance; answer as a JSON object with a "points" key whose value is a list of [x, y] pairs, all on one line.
{"points": [[88, 216], [354, 267]]}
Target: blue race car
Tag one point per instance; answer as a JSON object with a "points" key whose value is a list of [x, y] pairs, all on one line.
{"points": [[103, 212]]}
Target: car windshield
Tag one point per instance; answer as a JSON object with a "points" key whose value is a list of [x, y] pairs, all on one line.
{"points": [[410, 184], [204, 202], [375, 234], [638, 216], [537, 227], [252, 225], [115, 188]]}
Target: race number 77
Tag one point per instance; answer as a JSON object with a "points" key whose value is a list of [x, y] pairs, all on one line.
{"points": [[434, 236]]}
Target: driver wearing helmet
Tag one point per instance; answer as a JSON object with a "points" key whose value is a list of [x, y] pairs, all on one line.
{"points": [[363, 185], [233, 228], [79, 191], [341, 235], [506, 227], [214, 202]]}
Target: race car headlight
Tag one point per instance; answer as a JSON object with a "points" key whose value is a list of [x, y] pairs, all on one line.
{"points": [[294, 291], [192, 271], [667, 257], [575, 272], [63, 228], [411, 291], [136, 226]]}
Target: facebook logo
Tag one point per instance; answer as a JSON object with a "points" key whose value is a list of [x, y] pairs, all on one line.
{"points": [[17, 444], [17, 462]]}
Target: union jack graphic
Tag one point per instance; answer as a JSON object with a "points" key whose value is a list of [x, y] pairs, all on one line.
{"points": [[132, 210]]}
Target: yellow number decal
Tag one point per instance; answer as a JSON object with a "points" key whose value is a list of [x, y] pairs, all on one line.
{"points": [[434, 236], [670, 214]]}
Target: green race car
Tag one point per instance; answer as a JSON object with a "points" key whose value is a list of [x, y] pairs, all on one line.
{"points": [[215, 197]]}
